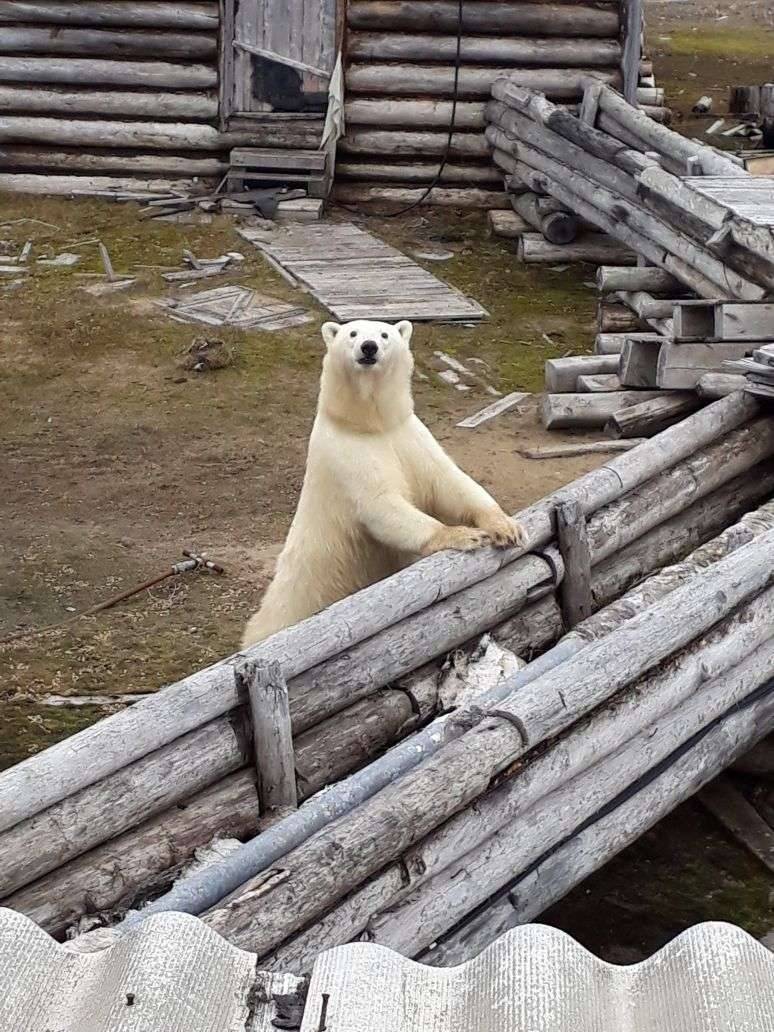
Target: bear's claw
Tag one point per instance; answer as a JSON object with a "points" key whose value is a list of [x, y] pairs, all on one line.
{"points": [[458, 539], [502, 531]]}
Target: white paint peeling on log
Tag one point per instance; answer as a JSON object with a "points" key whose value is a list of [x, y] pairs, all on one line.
{"points": [[49, 777]]}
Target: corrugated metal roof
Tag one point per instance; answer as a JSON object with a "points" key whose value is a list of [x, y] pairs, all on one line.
{"points": [[712, 978], [171, 973]]}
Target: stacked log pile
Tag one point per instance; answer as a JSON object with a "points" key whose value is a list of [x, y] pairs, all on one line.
{"points": [[400, 83], [166, 775], [668, 328]]}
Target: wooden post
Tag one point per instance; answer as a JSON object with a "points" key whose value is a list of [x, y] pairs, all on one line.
{"points": [[631, 40], [272, 738], [574, 545]]}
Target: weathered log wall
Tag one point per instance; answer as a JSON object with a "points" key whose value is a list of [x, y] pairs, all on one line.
{"points": [[108, 86], [400, 82]]}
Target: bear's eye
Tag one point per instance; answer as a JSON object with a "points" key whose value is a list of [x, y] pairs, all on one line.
{"points": [[353, 333], [384, 336]]}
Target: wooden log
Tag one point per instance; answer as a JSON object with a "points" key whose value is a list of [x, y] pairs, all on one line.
{"points": [[711, 386], [613, 318], [545, 53], [398, 143], [351, 918], [154, 105], [569, 863], [589, 411], [527, 19], [632, 23], [657, 313], [428, 80], [609, 343], [681, 366], [49, 777], [463, 197], [744, 100], [734, 321], [107, 43], [739, 817], [267, 693], [566, 451], [574, 545], [420, 172], [651, 416], [92, 72], [98, 133], [658, 138], [600, 383], [414, 114], [36, 159], [507, 224], [557, 227], [136, 14], [639, 361], [561, 374], [593, 248], [649, 278], [93, 186], [534, 813], [401, 815]]}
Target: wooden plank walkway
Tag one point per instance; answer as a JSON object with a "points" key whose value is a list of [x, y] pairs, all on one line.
{"points": [[357, 276]]}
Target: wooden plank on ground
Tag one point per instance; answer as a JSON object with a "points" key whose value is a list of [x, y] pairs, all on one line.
{"points": [[725, 802]]}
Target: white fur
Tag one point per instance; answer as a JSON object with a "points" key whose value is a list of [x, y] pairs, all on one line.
{"points": [[379, 490]]}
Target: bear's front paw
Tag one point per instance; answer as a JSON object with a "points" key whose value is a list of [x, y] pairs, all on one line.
{"points": [[502, 531], [459, 539]]}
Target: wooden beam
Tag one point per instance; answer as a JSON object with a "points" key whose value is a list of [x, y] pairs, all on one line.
{"points": [[653, 415], [573, 541], [267, 693], [739, 817]]}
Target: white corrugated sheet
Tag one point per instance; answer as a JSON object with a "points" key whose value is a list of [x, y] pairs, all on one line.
{"points": [[712, 978], [173, 974]]}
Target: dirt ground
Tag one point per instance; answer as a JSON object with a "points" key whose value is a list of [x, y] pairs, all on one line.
{"points": [[114, 460]]}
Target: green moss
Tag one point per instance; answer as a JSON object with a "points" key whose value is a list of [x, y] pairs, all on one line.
{"points": [[748, 44]]}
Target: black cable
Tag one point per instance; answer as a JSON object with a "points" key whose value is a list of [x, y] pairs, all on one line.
{"points": [[447, 149]]}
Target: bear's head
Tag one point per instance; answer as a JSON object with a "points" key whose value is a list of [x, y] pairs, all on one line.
{"points": [[368, 347]]}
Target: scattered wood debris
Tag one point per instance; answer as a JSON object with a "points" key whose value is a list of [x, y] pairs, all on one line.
{"points": [[206, 354], [235, 306], [495, 409]]}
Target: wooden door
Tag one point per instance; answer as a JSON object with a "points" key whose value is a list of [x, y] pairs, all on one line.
{"points": [[281, 55]]}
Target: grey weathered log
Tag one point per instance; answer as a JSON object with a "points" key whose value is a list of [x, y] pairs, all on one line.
{"points": [[655, 281], [428, 80], [657, 138], [613, 318], [572, 537], [414, 114], [106, 43], [566, 451], [142, 104], [579, 751], [124, 187], [507, 224], [561, 374], [588, 247], [151, 14], [589, 411], [744, 100], [680, 366], [609, 343], [420, 173], [651, 416], [657, 313], [382, 828], [558, 227], [407, 142], [718, 385], [600, 383], [632, 24], [546, 53], [162, 164], [45, 779], [454, 197], [585, 852], [267, 694], [92, 72], [98, 133], [528, 19]]}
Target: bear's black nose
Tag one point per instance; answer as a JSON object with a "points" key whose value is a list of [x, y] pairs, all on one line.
{"points": [[369, 348]]}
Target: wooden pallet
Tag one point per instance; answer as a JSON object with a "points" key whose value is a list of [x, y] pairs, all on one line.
{"points": [[308, 168], [357, 276]]}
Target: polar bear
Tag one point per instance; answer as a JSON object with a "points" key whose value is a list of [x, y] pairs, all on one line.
{"points": [[379, 491]]}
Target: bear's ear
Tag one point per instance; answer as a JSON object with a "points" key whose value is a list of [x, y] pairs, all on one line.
{"points": [[329, 331], [405, 329]]}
